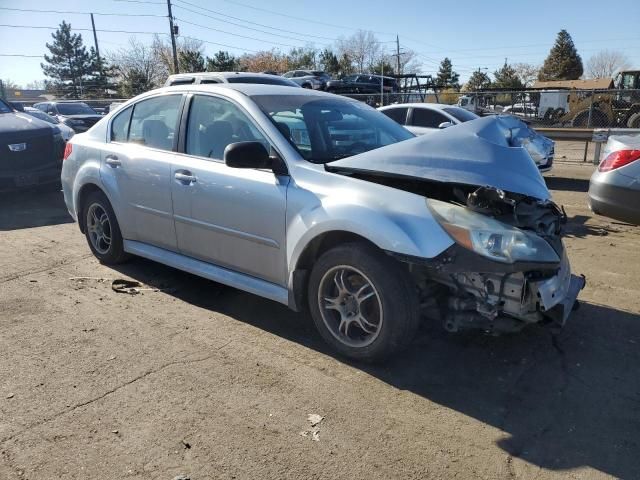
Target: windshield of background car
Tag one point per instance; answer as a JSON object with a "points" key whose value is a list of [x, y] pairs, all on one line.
{"points": [[263, 80], [75, 109], [4, 108], [461, 114], [326, 129]]}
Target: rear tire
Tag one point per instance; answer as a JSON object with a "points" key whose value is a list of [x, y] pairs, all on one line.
{"points": [[102, 230], [362, 302], [634, 121]]}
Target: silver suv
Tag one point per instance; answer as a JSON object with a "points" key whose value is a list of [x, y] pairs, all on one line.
{"points": [[319, 201]]}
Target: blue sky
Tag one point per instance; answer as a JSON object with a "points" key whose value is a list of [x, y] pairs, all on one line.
{"points": [[473, 34]]}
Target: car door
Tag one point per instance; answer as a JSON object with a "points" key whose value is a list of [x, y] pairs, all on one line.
{"points": [[136, 168], [234, 218], [425, 120]]}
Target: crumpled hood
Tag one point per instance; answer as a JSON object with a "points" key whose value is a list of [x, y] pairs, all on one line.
{"points": [[474, 153]]}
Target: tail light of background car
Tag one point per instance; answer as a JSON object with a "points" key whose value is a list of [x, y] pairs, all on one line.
{"points": [[67, 150], [618, 159]]}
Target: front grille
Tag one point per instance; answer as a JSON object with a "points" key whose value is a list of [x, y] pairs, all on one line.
{"points": [[40, 151]]}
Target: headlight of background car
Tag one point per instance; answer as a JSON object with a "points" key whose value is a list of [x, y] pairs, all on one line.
{"points": [[489, 237]]}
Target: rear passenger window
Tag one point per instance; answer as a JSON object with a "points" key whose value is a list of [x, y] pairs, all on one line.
{"points": [[423, 117], [120, 126], [214, 123], [397, 114], [154, 121]]}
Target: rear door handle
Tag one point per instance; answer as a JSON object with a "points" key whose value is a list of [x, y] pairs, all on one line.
{"points": [[185, 177], [112, 161]]}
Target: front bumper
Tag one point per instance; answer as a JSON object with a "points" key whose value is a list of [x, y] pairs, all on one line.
{"points": [[29, 178], [477, 293]]}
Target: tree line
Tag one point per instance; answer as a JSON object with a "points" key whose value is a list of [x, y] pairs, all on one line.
{"points": [[75, 71]]}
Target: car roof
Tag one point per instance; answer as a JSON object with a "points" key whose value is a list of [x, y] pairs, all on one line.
{"points": [[248, 89], [433, 106]]}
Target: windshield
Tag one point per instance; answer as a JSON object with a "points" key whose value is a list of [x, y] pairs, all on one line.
{"points": [[326, 129], [75, 109], [461, 114], [43, 116], [4, 108]]}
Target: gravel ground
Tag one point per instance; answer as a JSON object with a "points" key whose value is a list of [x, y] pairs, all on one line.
{"points": [[209, 382]]}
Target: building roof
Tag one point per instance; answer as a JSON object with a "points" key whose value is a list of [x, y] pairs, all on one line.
{"points": [[594, 83]]}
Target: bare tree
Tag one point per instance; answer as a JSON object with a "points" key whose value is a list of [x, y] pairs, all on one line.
{"points": [[606, 63], [164, 54], [527, 73], [409, 62], [36, 85], [138, 67], [362, 48]]}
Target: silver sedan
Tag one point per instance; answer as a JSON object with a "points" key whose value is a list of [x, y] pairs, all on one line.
{"points": [[314, 200]]}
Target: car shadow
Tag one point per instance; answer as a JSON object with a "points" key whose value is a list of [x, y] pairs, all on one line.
{"points": [[567, 184], [577, 227], [563, 401], [32, 208]]}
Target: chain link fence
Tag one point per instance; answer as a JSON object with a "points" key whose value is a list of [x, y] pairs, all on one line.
{"points": [[540, 108]]}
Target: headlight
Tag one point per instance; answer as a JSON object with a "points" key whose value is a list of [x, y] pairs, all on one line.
{"points": [[489, 237]]}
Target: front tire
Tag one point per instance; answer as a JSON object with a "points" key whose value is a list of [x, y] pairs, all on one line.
{"points": [[102, 230], [362, 302]]}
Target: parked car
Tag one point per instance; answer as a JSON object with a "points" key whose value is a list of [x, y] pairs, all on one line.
{"points": [[66, 131], [77, 115], [30, 151], [363, 83], [423, 118], [314, 79], [227, 77], [527, 110], [614, 189], [256, 187]]}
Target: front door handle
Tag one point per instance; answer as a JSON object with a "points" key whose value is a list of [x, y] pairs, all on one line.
{"points": [[112, 161], [185, 177]]}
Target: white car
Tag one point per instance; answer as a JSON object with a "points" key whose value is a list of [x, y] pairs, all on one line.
{"points": [[66, 131], [421, 118]]}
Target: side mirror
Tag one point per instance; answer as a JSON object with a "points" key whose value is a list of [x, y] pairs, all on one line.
{"points": [[445, 125], [247, 155]]}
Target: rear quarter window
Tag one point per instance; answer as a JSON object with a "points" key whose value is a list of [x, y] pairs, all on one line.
{"points": [[120, 126]]}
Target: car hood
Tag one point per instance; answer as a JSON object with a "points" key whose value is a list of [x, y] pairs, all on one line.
{"points": [[475, 153], [17, 125], [82, 117]]}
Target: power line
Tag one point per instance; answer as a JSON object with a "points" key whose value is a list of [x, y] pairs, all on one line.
{"points": [[247, 21], [234, 34], [67, 12], [82, 29], [20, 55], [221, 44]]}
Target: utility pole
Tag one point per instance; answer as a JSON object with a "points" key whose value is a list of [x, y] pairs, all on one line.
{"points": [[397, 55], [173, 39], [95, 40]]}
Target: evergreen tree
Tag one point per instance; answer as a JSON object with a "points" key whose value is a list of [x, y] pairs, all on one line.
{"points": [[506, 78], [134, 82], [478, 81], [70, 65], [190, 61], [222, 62], [383, 67], [446, 77], [563, 62], [329, 62]]}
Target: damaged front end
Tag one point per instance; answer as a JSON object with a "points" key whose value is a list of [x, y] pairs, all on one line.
{"points": [[508, 267]]}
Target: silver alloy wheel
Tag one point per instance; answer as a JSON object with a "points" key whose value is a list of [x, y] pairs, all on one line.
{"points": [[350, 306], [99, 228]]}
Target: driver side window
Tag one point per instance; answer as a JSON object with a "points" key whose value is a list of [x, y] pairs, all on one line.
{"points": [[215, 123]]}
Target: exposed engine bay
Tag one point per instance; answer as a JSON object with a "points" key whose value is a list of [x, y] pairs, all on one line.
{"points": [[466, 291]]}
